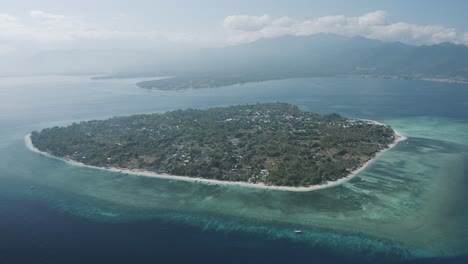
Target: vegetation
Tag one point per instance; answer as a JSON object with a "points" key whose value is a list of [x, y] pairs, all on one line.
{"points": [[212, 80], [184, 82], [274, 143]]}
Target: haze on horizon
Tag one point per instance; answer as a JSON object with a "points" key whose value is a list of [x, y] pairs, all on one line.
{"points": [[30, 31]]}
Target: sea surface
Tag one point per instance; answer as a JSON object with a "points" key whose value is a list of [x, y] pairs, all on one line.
{"points": [[409, 206]]}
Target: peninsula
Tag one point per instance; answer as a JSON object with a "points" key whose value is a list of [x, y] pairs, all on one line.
{"points": [[269, 144]]}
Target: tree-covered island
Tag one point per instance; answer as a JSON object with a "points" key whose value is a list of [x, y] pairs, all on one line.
{"points": [[272, 143]]}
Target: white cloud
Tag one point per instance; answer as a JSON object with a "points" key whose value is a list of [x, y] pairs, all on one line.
{"points": [[283, 22], [409, 33], [9, 26], [374, 25], [45, 30], [465, 38], [45, 15], [48, 31], [374, 18], [246, 23]]}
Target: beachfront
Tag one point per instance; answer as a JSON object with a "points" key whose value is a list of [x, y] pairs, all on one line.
{"points": [[398, 138]]}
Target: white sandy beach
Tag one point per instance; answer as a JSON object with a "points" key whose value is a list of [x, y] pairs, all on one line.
{"points": [[398, 138]]}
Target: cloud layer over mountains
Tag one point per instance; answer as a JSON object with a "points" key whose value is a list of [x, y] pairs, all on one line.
{"points": [[43, 30], [375, 25]]}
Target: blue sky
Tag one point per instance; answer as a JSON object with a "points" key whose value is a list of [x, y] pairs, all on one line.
{"points": [[49, 24]]}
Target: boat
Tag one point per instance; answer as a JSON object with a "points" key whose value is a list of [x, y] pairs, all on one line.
{"points": [[32, 187], [298, 231]]}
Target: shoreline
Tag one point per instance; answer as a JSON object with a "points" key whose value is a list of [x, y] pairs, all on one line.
{"points": [[145, 173], [395, 77], [409, 78]]}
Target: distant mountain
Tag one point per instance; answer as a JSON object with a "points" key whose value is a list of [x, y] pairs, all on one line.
{"points": [[265, 59], [332, 54], [316, 55]]}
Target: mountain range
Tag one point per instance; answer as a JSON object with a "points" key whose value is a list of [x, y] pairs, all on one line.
{"points": [[274, 58]]}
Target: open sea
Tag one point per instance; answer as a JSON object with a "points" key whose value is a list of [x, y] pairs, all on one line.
{"points": [[409, 206]]}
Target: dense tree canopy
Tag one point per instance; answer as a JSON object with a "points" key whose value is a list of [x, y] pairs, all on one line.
{"points": [[274, 143]]}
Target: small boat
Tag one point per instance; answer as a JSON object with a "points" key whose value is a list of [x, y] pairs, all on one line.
{"points": [[298, 231], [32, 187]]}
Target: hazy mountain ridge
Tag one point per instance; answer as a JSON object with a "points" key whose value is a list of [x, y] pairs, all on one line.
{"points": [[276, 58], [318, 55], [331, 54]]}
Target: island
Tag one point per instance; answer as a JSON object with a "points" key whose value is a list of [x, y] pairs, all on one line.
{"points": [[264, 144], [197, 81]]}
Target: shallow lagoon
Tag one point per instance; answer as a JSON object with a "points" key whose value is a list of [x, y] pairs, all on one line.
{"points": [[407, 204]]}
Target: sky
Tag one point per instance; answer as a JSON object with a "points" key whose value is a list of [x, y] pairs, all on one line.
{"points": [[34, 25]]}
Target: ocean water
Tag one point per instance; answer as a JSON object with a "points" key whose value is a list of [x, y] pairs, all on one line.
{"points": [[409, 205]]}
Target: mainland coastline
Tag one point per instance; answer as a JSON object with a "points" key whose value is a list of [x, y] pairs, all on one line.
{"points": [[145, 173]]}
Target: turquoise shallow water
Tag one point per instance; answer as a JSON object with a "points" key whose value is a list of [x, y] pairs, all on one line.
{"points": [[408, 203]]}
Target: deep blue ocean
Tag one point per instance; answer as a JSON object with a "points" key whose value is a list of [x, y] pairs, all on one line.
{"points": [[409, 206]]}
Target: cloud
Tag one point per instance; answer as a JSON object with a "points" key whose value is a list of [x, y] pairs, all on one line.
{"points": [[246, 23], [47, 30], [9, 25], [374, 18], [375, 25], [44, 15], [465, 38]]}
